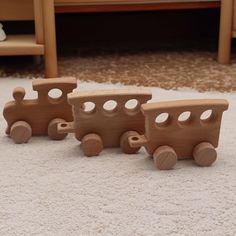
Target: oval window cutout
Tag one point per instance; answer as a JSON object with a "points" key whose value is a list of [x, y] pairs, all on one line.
{"points": [[110, 106], [206, 115], [184, 117], [55, 93], [162, 119], [132, 104], [88, 107]]}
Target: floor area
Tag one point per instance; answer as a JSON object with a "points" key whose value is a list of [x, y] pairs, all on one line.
{"points": [[139, 48], [50, 188], [168, 67]]}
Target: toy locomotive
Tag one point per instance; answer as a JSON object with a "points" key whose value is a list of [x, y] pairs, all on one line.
{"points": [[98, 125], [39, 116]]}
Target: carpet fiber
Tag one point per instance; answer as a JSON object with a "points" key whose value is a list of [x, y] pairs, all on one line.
{"points": [[167, 69], [50, 188]]}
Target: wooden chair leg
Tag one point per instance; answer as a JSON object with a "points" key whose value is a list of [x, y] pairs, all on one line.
{"points": [[226, 27], [51, 70]]}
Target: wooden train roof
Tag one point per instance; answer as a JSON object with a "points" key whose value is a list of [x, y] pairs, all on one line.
{"points": [[93, 96], [221, 104], [60, 83]]}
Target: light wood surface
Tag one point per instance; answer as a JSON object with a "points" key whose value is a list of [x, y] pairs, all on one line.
{"points": [[182, 135], [24, 11], [20, 132], [50, 39], [234, 19], [110, 125], [21, 45], [125, 2], [226, 30], [16, 10], [39, 21], [52, 129], [43, 113], [64, 6], [124, 143], [165, 157], [204, 154], [44, 41], [234, 15], [91, 144]]}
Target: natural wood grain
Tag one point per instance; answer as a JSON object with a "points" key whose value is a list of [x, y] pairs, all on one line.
{"points": [[91, 144], [109, 125], [204, 154], [124, 143], [52, 129], [38, 113], [21, 45], [16, 10], [73, 7], [182, 136], [20, 132], [39, 21], [44, 41], [234, 15], [165, 158], [50, 39], [226, 29], [24, 11]]}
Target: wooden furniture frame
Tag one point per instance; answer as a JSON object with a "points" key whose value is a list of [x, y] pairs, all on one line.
{"points": [[227, 30], [44, 40], [73, 6]]}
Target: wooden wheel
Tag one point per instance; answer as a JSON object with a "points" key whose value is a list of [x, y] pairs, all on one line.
{"points": [[204, 154], [52, 129], [91, 145], [124, 143], [165, 158], [21, 132]]}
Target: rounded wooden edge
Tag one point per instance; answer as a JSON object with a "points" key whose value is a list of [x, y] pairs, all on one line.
{"points": [[204, 154], [165, 158], [52, 129], [20, 132], [91, 145], [18, 94], [124, 143]]}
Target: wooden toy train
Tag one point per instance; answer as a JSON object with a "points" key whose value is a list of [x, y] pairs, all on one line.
{"points": [[39, 116], [119, 118]]}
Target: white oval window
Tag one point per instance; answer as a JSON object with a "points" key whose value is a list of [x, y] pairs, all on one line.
{"points": [[88, 107], [110, 106], [55, 93], [183, 117], [206, 115], [162, 119]]}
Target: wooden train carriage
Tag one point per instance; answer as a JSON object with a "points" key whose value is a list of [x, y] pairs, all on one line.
{"points": [[106, 126], [39, 116], [175, 138]]}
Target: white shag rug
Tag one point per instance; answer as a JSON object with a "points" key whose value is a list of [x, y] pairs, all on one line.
{"points": [[50, 188]]}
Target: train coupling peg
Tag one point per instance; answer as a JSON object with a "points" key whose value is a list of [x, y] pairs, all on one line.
{"points": [[65, 127], [137, 141]]}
